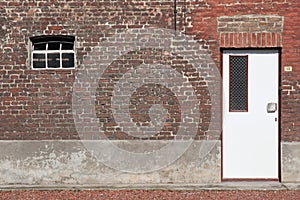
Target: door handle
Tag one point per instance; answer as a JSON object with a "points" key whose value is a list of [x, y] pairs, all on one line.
{"points": [[271, 107]]}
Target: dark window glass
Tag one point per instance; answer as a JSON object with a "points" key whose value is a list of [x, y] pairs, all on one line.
{"points": [[40, 46], [39, 60], [53, 60], [67, 60], [67, 46], [50, 51], [238, 83], [53, 46]]}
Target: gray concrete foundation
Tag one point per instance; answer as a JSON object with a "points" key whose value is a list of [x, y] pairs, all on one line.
{"points": [[63, 163], [69, 162], [290, 162]]}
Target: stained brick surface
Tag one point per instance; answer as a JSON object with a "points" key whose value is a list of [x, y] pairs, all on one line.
{"points": [[38, 104]]}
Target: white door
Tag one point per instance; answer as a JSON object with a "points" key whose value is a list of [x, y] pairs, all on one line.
{"points": [[250, 114]]}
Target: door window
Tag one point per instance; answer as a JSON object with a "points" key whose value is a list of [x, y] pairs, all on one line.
{"points": [[238, 87]]}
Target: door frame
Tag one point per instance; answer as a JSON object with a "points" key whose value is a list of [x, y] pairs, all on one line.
{"points": [[279, 49]]}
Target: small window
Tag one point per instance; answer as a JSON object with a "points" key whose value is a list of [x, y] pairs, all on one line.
{"points": [[52, 52], [238, 84]]}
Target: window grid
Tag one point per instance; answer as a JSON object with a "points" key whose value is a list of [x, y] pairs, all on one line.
{"points": [[59, 51]]}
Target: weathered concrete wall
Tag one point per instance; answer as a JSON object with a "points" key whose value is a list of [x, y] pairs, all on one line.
{"points": [[70, 163], [290, 162], [48, 163]]}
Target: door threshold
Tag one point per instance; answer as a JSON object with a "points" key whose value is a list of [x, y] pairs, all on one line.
{"points": [[250, 180], [252, 185]]}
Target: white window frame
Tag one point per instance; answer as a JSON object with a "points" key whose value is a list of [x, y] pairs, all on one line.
{"points": [[46, 41]]}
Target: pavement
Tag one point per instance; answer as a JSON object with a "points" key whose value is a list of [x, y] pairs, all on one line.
{"points": [[260, 186]]}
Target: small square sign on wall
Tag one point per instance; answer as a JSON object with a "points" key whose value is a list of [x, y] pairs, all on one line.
{"points": [[288, 68]]}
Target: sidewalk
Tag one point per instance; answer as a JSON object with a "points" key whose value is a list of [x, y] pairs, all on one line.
{"points": [[261, 186]]}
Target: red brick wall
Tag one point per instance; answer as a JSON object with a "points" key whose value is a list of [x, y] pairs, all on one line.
{"points": [[205, 26], [38, 104]]}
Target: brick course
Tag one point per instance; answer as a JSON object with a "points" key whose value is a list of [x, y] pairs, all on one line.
{"points": [[250, 31], [38, 104]]}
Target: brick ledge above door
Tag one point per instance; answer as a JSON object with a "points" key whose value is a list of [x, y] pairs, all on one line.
{"points": [[244, 31]]}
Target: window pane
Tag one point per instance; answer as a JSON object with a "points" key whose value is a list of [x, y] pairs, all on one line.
{"points": [[67, 60], [53, 60], [53, 46], [67, 46], [238, 83], [39, 61], [40, 46], [51, 51]]}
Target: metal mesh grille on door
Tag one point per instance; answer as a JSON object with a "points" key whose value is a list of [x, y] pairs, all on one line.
{"points": [[238, 83]]}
